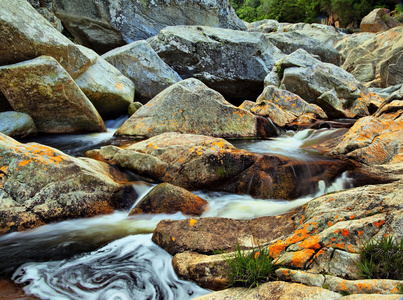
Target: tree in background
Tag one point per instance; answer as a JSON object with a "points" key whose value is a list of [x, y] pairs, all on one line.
{"points": [[347, 12]]}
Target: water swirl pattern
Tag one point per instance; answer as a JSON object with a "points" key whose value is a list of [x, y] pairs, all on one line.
{"points": [[129, 268]]}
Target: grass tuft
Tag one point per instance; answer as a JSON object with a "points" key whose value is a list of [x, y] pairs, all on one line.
{"points": [[382, 259], [248, 268]]}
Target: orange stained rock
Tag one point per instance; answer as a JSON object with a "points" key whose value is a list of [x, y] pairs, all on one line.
{"points": [[173, 239], [380, 223], [311, 243], [360, 232], [330, 224], [352, 217], [299, 258], [276, 249], [344, 232], [192, 222]]}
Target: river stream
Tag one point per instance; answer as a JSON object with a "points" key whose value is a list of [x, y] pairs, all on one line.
{"points": [[112, 256]]}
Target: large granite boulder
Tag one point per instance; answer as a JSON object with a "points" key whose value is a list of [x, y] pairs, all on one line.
{"points": [[106, 87], [335, 90], [284, 107], [16, 124], [166, 198], [377, 20], [190, 106], [231, 62], [42, 89], [289, 42], [25, 35], [104, 25], [201, 162], [39, 185], [374, 59], [139, 62]]}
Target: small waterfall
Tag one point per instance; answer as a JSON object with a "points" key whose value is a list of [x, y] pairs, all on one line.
{"points": [[130, 268]]}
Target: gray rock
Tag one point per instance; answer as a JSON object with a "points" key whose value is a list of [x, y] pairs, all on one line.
{"points": [[18, 124], [306, 278], [107, 24], [231, 62], [374, 59], [302, 74], [190, 106], [106, 87], [43, 89], [139, 62], [289, 42], [25, 35]]}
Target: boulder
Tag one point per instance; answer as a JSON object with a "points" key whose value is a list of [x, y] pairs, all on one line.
{"points": [[133, 107], [201, 162], [264, 26], [139, 62], [326, 34], [25, 35], [336, 91], [106, 87], [16, 124], [375, 58], [284, 107], [166, 198], [191, 107], [186, 160], [231, 62], [205, 235], [377, 20], [39, 185], [43, 89], [288, 42], [104, 25], [374, 140]]}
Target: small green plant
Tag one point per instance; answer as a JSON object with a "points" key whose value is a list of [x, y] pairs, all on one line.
{"points": [[248, 268], [382, 259]]}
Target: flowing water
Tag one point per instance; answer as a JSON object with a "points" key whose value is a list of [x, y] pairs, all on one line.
{"points": [[112, 257]]}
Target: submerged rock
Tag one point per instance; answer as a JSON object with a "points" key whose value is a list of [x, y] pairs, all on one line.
{"points": [[39, 185], [16, 124], [166, 198], [42, 89], [191, 107], [107, 24], [139, 62], [25, 35], [231, 62], [202, 162]]}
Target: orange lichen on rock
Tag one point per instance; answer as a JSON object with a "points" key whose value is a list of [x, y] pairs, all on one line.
{"points": [[344, 232], [380, 223], [276, 249], [192, 222], [299, 258], [311, 243]]}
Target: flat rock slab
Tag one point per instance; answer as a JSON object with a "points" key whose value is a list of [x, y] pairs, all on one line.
{"points": [[276, 290], [42, 89]]}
